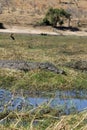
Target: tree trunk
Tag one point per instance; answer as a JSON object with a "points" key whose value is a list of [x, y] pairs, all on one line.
{"points": [[69, 21]]}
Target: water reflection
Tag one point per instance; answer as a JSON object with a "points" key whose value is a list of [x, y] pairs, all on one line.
{"points": [[64, 101]]}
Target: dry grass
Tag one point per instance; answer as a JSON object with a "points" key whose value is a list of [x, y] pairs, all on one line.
{"points": [[46, 121], [55, 49], [31, 12]]}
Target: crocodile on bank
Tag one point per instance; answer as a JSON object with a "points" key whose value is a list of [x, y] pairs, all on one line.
{"points": [[79, 65], [27, 66]]}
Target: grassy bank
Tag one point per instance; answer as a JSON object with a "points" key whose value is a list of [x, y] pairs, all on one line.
{"points": [[50, 120], [58, 50]]}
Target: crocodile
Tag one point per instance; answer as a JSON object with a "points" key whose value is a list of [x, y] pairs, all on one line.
{"points": [[27, 66]]}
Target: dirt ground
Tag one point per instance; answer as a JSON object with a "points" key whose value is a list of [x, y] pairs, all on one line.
{"points": [[41, 30], [31, 12], [20, 17]]}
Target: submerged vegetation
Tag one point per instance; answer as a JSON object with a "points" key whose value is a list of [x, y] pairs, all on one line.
{"points": [[43, 118]]}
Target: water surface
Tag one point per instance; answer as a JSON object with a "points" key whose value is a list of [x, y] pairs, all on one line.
{"points": [[67, 101]]}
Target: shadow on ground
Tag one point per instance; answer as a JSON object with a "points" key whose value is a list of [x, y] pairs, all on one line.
{"points": [[2, 26], [74, 29]]}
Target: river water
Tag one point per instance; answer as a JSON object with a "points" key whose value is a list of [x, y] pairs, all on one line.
{"points": [[67, 101]]}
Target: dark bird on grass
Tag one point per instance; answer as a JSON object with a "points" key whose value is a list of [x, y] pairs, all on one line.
{"points": [[12, 36]]}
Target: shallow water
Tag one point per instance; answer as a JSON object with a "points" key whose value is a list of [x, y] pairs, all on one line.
{"points": [[67, 101]]}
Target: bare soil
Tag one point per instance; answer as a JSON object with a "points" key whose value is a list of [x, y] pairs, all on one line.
{"points": [[31, 12], [41, 31]]}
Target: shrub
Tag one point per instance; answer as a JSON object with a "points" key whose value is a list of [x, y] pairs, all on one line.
{"points": [[55, 16]]}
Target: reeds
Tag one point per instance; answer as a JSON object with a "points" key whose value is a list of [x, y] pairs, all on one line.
{"points": [[42, 117]]}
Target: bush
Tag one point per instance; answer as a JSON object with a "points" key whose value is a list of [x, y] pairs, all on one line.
{"points": [[45, 22], [55, 16]]}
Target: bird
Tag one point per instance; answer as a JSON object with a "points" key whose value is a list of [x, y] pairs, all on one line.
{"points": [[12, 37]]}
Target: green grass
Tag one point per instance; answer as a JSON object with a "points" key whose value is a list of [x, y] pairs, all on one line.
{"points": [[36, 48], [41, 80], [55, 49]]}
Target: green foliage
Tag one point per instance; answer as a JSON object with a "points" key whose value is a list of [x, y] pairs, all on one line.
{"points": [[46, 21], [55, 16], [6, 81]]}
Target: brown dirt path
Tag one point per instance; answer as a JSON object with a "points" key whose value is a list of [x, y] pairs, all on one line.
{"points": [[43, 30]]}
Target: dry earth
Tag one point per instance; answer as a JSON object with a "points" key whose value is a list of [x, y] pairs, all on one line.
{"points": [[41, 30], [26, 12], [20, 16]]}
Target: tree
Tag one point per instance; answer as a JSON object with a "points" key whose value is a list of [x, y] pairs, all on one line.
{"points": [[66, 15], [56, 16]]}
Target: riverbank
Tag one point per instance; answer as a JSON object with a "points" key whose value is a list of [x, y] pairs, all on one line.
{"points": [[68, 53], [65, 110], [38, 30], [61, 51]]}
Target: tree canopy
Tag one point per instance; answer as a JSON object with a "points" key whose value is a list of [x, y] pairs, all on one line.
{"points": [[55, 16]]}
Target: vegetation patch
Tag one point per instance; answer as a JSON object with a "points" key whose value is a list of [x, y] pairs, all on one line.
{"points": [[58, 50], [55, 16]]}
